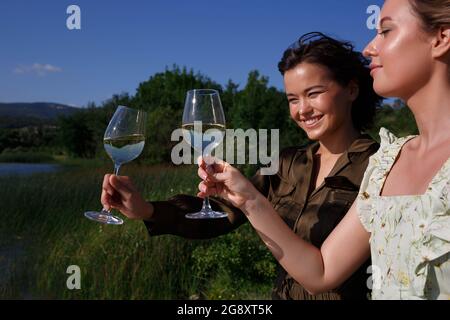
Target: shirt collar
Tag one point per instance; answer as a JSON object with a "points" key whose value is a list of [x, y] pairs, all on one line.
{"points": [[361, 144]]}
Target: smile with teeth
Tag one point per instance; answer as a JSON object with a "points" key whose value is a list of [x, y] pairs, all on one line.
{"points": [[312, 121]]}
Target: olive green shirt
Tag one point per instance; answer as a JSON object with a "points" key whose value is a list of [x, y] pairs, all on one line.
{"points": [[312, 214]]}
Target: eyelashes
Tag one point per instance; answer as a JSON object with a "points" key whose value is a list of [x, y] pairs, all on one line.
{"points": [[314, 94], [383, 33], [311, 95]]}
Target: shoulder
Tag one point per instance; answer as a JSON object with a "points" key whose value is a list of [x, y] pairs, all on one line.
{"points": [[389, 147], [390, 141], [362, 149], [387, 137], [380, 161]]}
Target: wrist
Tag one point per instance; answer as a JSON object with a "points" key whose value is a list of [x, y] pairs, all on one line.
{"points": [[253, 203], [148, 211]]}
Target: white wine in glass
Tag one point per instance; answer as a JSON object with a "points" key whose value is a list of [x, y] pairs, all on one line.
{"points": [[204, 129], [123, 141], [203, 137]]}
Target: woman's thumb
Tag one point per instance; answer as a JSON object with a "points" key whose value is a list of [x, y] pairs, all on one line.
{"points": [[221, 176]]}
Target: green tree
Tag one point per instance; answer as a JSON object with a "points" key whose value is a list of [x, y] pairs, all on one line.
{"points": [[163, 97], [78, 136], [168, 89], [228, 98], [161, 123], [397, 118]]}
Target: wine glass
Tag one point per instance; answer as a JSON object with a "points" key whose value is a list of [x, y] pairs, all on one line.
{"points": [[124, 141], [204, 128]]}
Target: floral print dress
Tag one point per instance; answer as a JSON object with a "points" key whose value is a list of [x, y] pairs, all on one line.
{"points": [[410, 235]]}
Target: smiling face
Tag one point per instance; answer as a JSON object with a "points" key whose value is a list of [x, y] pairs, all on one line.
{"points": [[318, 104], [400, 52]]}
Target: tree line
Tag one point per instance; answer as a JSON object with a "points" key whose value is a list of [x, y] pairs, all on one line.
{"points": [[256, 105]]}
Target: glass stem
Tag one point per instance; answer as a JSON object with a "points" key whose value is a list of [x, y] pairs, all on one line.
{"points": [[206, 205], [116, 172], [116, 169]]}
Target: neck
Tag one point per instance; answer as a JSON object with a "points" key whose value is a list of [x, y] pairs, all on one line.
{"points": [[431, 108], [338, 142]]}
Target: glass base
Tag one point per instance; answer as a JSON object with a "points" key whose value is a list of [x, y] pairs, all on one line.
{"points": [[210, 214], [103, 217]]}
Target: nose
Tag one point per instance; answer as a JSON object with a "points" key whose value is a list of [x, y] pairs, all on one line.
{"points": [[304, 107], [371, 50]]}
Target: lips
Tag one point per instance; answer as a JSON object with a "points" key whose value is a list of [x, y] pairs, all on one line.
{"points": [[312, 121], [373, 67]]}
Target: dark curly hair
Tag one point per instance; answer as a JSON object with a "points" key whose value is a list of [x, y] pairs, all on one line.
{"points": [[345, 65]]}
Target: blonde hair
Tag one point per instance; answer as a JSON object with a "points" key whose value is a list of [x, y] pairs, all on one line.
{"points": [[432, 13]]}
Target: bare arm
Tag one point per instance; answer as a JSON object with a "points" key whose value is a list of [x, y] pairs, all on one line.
{"points": [[342, 253], [345, 249]]}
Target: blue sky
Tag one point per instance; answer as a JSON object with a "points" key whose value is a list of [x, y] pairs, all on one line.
{"points": [[122, 43]]}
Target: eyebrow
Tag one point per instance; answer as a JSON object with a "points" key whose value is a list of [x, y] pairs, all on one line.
{"points": [[306, 90], [318, 86], [384, 19]]}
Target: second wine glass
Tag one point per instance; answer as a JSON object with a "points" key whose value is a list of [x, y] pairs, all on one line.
{"points": [[204, 128]]}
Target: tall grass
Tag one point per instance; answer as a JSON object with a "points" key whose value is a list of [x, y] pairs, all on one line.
{"points": [[42, 219]]}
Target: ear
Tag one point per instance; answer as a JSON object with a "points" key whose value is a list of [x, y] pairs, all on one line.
{"points": [[441, 43], [353, 89]]}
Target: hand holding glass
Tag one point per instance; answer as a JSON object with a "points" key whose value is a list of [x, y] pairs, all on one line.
{"points": [[124, 141], [204, 128]]}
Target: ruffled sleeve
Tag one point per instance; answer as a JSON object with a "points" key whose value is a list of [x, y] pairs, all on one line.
{"points": [[379, 163], [387, 138], [364, 200]]}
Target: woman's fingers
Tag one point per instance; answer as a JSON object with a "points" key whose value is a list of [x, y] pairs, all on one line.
{"points": [[207, 189], [105, 199], [202, 173], [201, 195], [211, 164], [106, 185], [124, 191], [115, 191], [126, 181], [109, 201], [213, 176], [221, 176], [207, 179]]}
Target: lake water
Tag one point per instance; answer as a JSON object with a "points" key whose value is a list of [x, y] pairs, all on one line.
{"points": [[7, 169]]}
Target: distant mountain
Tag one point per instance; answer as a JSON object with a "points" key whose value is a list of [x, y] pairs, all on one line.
{"points": [[16, 115], [40, 110]]}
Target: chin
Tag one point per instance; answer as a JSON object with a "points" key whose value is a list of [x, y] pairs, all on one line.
{"points": [[314, 135], [384, 90], [382, 93]]}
